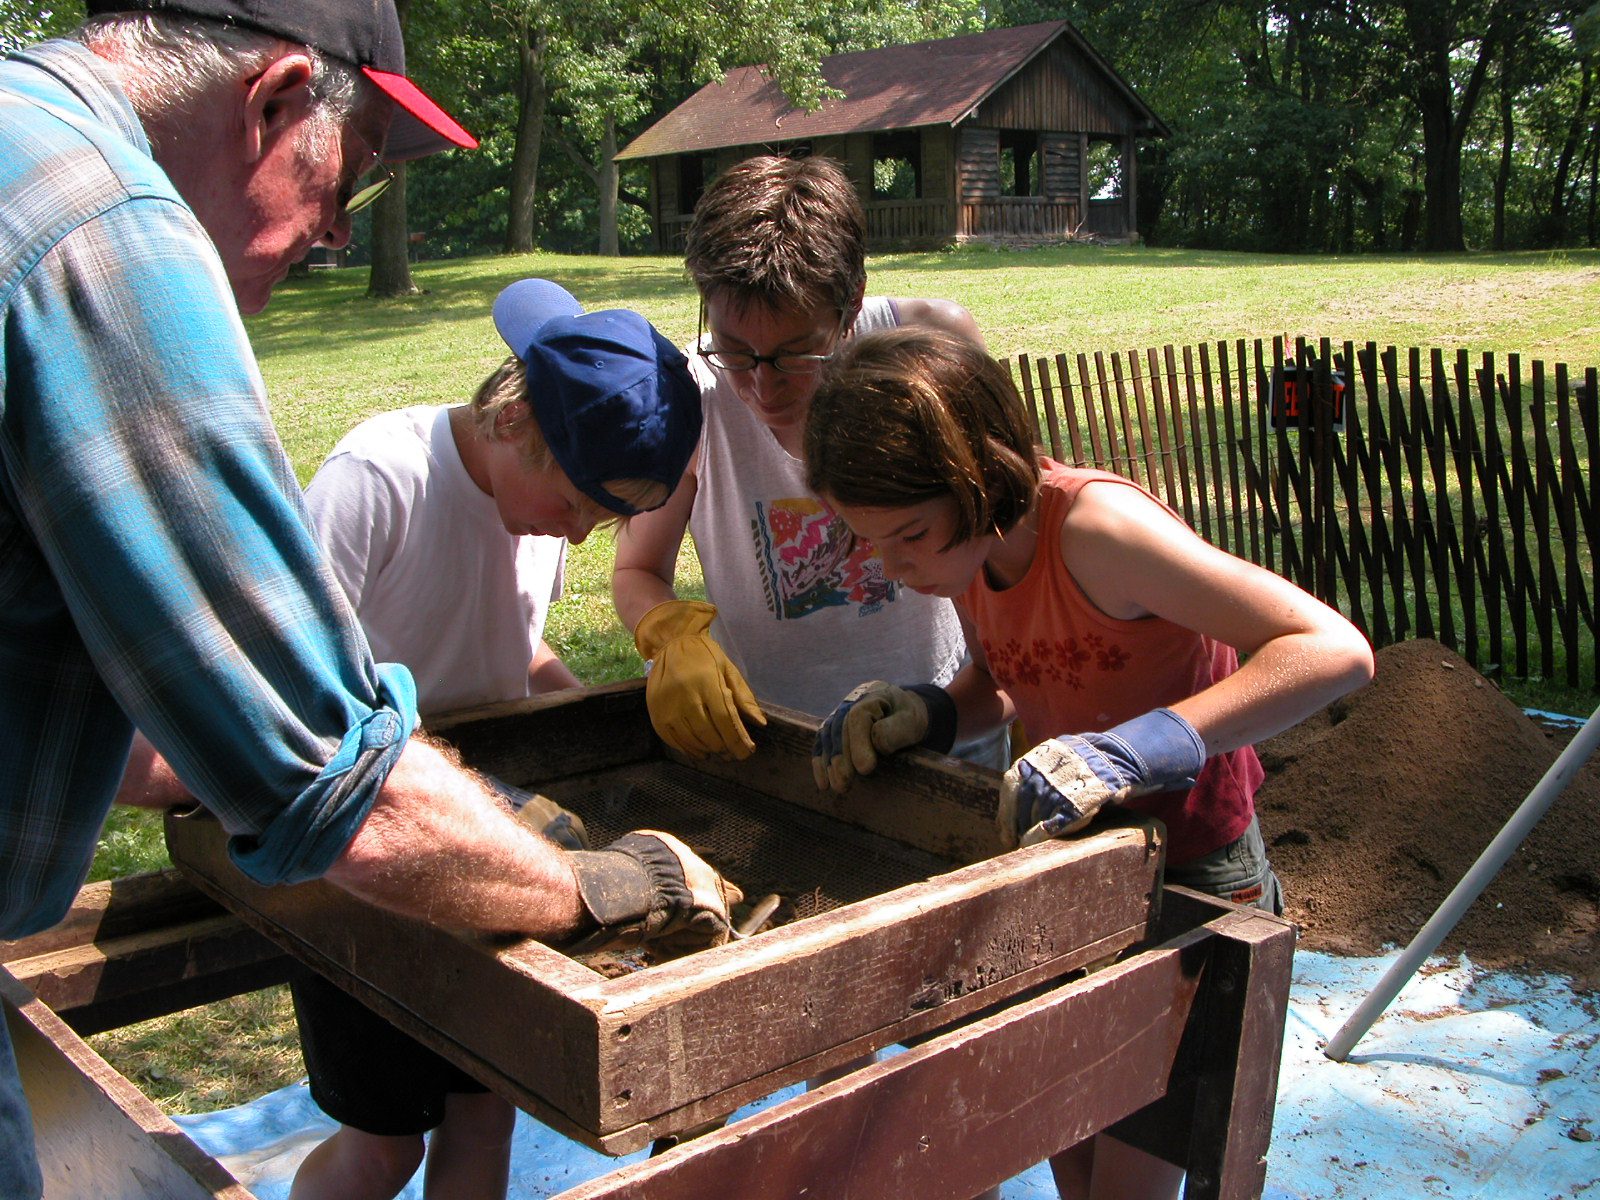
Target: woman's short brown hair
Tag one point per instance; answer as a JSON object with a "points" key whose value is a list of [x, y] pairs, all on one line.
{"points": [[909, 415], [786, 234]]}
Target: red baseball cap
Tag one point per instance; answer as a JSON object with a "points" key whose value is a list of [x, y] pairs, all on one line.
{"points": [[363, 33]]}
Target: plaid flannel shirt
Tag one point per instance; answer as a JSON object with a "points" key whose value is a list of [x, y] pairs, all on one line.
{"points": [[156, 566]]}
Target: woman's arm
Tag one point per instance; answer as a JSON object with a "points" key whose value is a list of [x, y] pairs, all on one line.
{"points": [[940, 314], [547, 673], [981, 707]]}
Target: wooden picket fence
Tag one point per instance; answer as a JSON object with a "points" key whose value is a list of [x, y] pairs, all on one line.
{"points": [[1455, 499]]}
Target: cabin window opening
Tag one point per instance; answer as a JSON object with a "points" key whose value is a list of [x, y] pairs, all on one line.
{"points": [[694, 172], [897, 166], [1105, 171], [1021, 169]]}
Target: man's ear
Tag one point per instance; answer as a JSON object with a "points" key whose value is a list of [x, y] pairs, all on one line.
{"points": [[276, 100]]}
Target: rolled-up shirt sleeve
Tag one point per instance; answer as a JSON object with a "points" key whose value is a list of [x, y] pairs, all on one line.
{"points": [[154, 486]]}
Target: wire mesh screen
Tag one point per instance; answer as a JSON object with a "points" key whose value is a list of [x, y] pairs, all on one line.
{"points": [[812, 862]]}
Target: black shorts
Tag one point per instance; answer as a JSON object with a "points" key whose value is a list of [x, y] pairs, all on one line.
{"points": [[364, 1072]]}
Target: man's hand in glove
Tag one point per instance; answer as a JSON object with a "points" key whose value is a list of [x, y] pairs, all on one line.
{"points": [[880, 718], [695, 695], [648, 887], [1059, 785]]}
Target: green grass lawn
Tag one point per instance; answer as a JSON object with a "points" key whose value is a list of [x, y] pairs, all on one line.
{"points": [[331, 357]]}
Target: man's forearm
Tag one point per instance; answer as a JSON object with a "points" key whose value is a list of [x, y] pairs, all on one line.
{"points": [[439, 846], [148, 780]]}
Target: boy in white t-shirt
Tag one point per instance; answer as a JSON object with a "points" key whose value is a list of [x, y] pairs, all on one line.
{"points": [[447, 528]]}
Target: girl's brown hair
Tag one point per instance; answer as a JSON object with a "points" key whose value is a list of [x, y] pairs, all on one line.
{"points": [[915, 414]]}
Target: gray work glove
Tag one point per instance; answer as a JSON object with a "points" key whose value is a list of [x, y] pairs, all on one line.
{"points": [[561, 825], [880, 718], [647, 887]]}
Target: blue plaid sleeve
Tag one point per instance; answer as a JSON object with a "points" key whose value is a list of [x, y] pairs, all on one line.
{"points": [[148, 473]]}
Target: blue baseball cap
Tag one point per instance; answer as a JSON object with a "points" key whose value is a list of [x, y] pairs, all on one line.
{"points": [[613, 398]]}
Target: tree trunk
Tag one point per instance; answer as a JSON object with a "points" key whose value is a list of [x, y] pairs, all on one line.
{"points": [[1374, 194], [1444, 123], [608, 180], [1556, 224], [1594, 177], [1410, 220], [532, 96], [1502, 176], [391, 268], [1441, 187], [391, 272]]}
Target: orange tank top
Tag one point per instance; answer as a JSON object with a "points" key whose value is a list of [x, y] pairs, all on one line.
{"points": [[1069, 668]]}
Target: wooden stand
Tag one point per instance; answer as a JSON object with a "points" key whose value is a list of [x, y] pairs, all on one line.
{"points": [[1175, 1050], [620, 1062], [1049, 994]]}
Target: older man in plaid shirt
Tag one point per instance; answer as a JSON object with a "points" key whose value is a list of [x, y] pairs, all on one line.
{"points": [[159, 172]]}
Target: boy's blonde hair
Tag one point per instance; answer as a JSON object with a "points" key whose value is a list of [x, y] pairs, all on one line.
{"points": [[785, 234], [914, 414], [506, 385]]}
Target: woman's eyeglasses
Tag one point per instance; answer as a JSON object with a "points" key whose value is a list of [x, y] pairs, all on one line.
{"points": [[744, 360]]}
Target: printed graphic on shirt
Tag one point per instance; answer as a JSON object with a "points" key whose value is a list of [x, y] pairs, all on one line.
{"points": [[1062, 662], [810, 561]]}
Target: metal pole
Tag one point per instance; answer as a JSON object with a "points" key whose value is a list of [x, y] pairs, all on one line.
{"points": [[1480, 875]]}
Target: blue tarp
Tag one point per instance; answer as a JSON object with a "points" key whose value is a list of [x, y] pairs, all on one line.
{"points": [[1474, 1084]]}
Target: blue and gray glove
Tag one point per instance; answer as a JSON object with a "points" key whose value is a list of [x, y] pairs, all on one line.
{"points": [[880, 718], [1059, 785]]}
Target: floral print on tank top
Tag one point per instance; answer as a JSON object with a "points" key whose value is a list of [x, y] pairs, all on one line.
{"points": [[1063, 662]]}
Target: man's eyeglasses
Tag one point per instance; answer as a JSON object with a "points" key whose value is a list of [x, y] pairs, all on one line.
{"points": [[374, 189], [744, 360]]}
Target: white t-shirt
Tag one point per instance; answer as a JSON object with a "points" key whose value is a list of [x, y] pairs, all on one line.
{"points": [[802, 610], [436, 580]]}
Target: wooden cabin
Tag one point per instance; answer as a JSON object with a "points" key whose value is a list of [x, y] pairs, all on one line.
{"points": [[999, 136]]}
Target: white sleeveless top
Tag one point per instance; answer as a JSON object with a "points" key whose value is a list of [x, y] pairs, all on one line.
{"points": [[802, 610]]}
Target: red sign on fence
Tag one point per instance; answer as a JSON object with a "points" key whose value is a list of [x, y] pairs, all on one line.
{"points": [[1293, 387]]}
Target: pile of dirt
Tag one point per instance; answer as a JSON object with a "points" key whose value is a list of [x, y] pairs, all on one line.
{"points": [[1375, 809]]}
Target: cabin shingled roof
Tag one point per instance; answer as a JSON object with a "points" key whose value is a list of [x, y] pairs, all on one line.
{"points": [[897, 87]]}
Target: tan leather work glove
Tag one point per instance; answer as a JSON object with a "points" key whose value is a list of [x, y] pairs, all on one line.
{"points": [[647, 887], [695, 695], [543, 815], [561, 825]]}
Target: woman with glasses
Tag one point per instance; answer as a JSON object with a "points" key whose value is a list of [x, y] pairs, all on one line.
{"points": [[798, 609]]}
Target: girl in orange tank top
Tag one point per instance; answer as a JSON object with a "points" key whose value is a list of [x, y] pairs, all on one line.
{"points": [[1092, 613]]}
